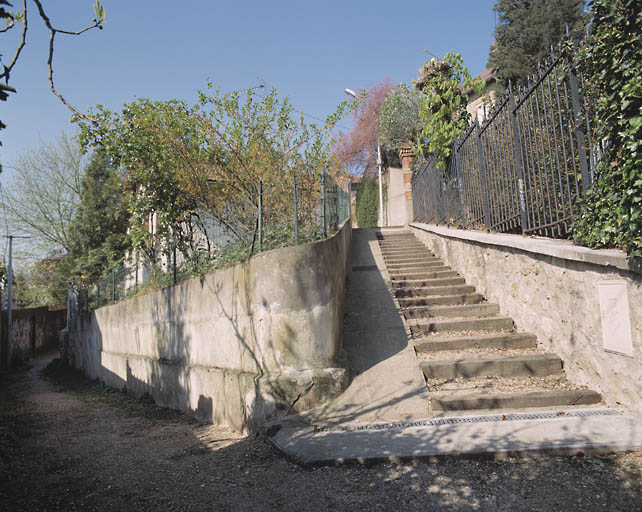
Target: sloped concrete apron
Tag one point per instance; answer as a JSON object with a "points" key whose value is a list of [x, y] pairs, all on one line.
{"points": [[383, 415], [600, 430]]}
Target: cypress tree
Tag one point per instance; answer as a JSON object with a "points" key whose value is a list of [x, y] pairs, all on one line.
{"points": [[526, 31], [99, 229]]}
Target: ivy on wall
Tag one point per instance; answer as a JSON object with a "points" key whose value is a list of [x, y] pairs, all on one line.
{"points": [[611, 213]]}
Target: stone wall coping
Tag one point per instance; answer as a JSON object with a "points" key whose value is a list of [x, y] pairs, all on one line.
{"points": [[562, 249]]}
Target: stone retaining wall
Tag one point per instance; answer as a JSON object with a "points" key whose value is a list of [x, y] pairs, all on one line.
{"points": [[233, 347], [550, 288]]}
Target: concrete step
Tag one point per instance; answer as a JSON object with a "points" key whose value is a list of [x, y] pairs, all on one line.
{"points": [[450, 401], [409, 252], [496, 323], [425, 267], [398, 246], [516, 366], [414, 264], [430, 291], [403, 260], [420, 275], [437, 273], [434, 300], [402, 245], [510, 340], [456, 311], [425, 280], [397, 237]]}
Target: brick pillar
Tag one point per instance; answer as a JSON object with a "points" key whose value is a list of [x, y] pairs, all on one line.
{"points": [[407, 157]]}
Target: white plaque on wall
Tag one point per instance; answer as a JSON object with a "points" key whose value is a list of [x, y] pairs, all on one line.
{"points": [[614, 311]]}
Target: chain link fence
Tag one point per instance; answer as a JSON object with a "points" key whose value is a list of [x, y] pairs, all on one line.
{"points": [[301, 209]]}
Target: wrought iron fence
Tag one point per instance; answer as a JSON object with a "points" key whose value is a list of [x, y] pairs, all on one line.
{"points": [[285, 214], [523, 169]]}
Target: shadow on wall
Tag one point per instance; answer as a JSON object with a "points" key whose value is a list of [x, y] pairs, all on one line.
{"points": [[233, 347]]}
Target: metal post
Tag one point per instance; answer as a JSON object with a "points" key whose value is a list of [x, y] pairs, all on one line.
{"points": [[113, 287], [260, 216], [324, 203], [380, 185], [174, 263], [460, 184], [519, 164], [9, 305], [296, 211], [577, 122], [482, 176]]}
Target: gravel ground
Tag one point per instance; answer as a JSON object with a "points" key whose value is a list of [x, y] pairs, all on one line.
{"points": [[503, 384], [69, 444]]}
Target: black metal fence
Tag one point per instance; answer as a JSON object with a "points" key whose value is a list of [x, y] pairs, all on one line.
{"points": [[287, 213], [523, 169]]}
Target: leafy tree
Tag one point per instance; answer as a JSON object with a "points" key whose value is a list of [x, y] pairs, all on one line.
{"points": [[98, 233], [356, 151], [13, 20], [443, 104], [400, 122], [611, 215], [367, 203], [41, 199], [190, 164], [526, 32]]}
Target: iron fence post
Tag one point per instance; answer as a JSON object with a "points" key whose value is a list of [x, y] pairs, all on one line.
{"points": [[260, 216], [518, 158], [296, 211], [323, 202], [577, 125], [460, 184], [113, 287], [482, 176]]}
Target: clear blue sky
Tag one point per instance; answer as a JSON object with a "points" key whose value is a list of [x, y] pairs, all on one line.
{"points": [[309, 51]]}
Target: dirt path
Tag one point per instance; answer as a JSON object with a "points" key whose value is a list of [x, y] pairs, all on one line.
{"points": [[69, 444]]}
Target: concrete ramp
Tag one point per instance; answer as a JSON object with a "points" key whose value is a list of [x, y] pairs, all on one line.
{"points": [[589, 431]]}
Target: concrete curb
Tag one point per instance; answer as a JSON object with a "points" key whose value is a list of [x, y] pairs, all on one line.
{"points": [[472, 436], [562, 249]]}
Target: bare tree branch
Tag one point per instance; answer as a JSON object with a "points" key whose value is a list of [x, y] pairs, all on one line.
{"points": [[23, 39], [52, 35]]}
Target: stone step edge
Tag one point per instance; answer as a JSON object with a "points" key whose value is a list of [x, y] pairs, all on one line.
{"points": [[461, 324], [532, 365], [400, 293], [527, 399], [438, 343], [456, 299]]}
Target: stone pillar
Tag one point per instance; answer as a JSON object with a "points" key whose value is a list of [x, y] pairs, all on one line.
{"points": [[407, 157]]}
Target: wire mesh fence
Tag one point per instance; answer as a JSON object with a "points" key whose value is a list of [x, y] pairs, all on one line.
{"points": [[298, 209], [524, 168]]}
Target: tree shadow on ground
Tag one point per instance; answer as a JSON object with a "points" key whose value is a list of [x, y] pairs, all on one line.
{"points": [[95, 450]]}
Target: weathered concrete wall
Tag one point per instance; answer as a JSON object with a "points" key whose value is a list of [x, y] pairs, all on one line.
{"points": [[33, 330], [550, 288], [232, 347]]}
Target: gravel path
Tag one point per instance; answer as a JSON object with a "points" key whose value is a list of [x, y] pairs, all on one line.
{"points": [[69, 444]]}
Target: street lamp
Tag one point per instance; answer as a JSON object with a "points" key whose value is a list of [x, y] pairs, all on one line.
{"points": [[350, 92]]}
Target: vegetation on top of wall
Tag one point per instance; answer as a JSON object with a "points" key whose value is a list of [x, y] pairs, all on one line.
{"points": [[611, 213], [400, 123], [367, 207], [443, 104]]}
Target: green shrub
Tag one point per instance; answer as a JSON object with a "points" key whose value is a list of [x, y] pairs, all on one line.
{"points": [[611, 213], [367, 207]]}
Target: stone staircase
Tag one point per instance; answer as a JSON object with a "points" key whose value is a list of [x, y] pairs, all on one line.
{"points": [[472, 357]]}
